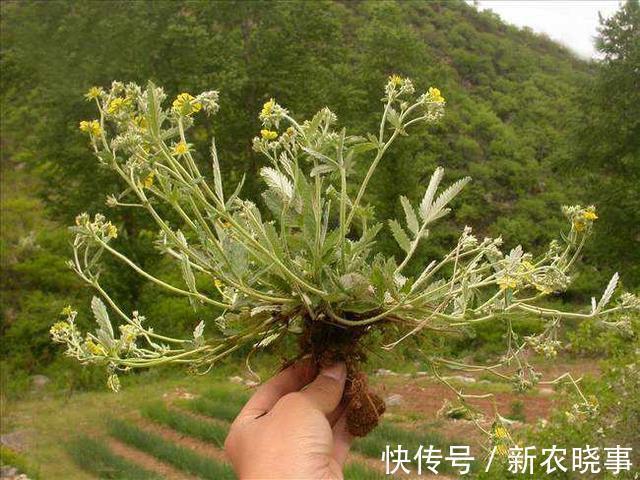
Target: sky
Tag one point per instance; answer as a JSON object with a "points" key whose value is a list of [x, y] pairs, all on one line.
{"points": [[570, 22]]}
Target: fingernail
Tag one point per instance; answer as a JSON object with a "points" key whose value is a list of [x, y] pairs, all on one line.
{"points": [[337, 371]]}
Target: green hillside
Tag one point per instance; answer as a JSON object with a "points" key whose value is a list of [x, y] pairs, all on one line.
{"points": [[511, 97]]}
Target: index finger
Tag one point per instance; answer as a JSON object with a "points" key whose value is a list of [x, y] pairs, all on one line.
{"points": [[289, 380]]}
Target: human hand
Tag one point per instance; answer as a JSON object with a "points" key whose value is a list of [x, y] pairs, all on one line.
{"points": [[294, 426]]}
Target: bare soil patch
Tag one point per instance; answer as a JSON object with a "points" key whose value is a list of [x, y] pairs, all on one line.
{"points": [[146, 461]]}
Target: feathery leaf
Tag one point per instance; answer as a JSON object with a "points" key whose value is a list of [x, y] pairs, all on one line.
{"points": [[608, 292], [435, 180], [410, 214], [400, 235], [277, 181]]}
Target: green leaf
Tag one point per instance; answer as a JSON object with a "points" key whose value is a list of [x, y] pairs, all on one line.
{"points": [[153, 110], [278, 181], [363, 147], [322, 169], [410, 215], [105, 330], [215, 166], [445, 197], [400, 235], [425, 204], [394, 118]]}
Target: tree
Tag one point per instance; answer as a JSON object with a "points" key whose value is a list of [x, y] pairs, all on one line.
{"points": [[607, 139]]}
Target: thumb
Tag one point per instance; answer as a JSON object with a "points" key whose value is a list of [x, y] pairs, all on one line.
{"points": [[325, 392]]}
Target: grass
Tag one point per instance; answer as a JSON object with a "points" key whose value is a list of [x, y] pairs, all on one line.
{"points": [[96, 457], [227, 393], [357, 471], [55, 420], [220, 402], [213, 408], [204, 430], [387, 434], [14, 459], [180, 457]]}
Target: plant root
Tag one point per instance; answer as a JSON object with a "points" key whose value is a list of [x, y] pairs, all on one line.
{"points": [[328, 344]]}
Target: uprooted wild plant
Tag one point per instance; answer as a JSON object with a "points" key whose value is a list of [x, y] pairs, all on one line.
{"points": [[307, 264]]}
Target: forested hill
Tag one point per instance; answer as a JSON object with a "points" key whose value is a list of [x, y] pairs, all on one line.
{"points": [[508, 90], [509, 99]]}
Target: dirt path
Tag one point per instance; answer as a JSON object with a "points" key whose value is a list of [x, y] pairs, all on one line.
{"points": [[427, 399], [146, 461]]}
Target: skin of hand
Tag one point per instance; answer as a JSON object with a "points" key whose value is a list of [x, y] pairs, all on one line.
{"points": [[294, 426]]}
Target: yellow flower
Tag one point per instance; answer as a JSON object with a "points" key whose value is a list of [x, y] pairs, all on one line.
{"points": [[434, 95], [92, 127], [140, 122], [180, 148], [66, 311], [502, 450], [148, 181], [93, 93], [112, 231], [217, 283], [268, 134], [186, 104], [507, 281], [95, 348], [579, 225], [267, 108], [118, 104], [590, 215], [59, 328], [501, 432], [526, 268], [527, 265], [395, 80]]}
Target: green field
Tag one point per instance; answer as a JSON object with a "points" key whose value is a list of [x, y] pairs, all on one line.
{"points": [[175, 427]]}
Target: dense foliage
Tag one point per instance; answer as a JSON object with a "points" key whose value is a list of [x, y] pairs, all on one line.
{"points": [[606, 138]]}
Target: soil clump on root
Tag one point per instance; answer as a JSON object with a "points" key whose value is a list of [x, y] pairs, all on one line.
{"points": [[328, 344]]}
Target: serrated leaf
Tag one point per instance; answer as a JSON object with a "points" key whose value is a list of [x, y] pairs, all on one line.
{"points": [[439, 214], [400, 235], [322, 169], [320, 156], [268, 340], [153, 109], [410, 215], [215, 166], [445, 197], [185, 265], [394, 118], [608, 292], [263, 308], [434, 181], [363, 147], [101, 315], [278, 182], [198, 331], [105, 330]]}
